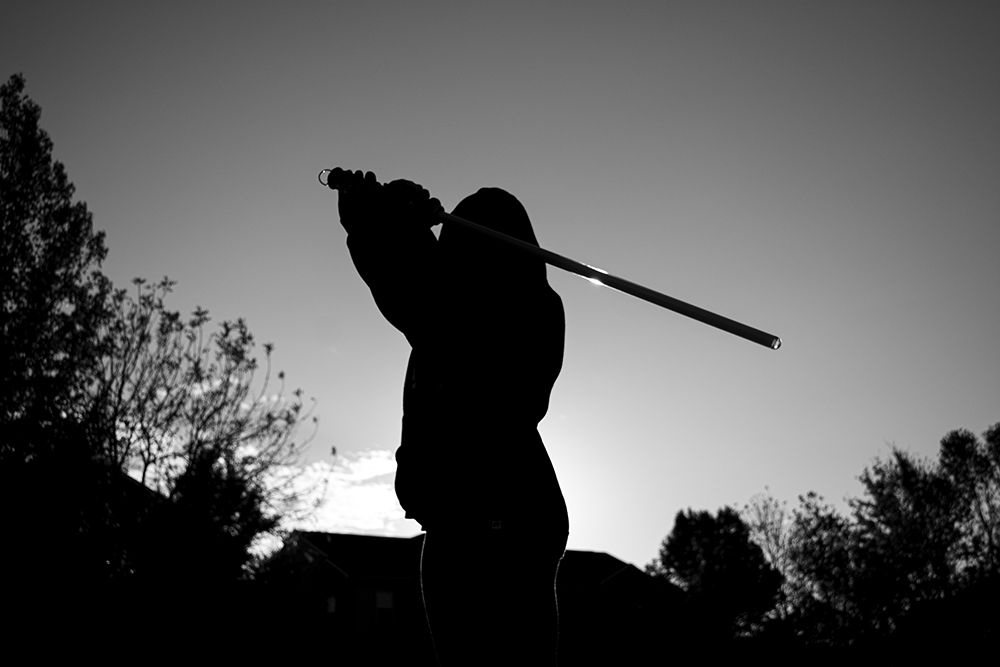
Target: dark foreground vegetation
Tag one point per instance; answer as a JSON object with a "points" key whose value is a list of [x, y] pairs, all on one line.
{"points": [[913, 566], [139, 469]]}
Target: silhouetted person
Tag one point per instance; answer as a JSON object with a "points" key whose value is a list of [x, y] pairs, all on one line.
{"points": [[486, 332]]}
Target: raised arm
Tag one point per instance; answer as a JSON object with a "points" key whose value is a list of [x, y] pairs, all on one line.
{"points": [[393, 247]]}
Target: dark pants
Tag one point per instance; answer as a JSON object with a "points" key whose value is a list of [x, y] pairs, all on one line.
{"points": [[490, 595]]}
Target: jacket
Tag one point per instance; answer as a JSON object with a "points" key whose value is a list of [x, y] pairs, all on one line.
{"points": [[487, 335]]}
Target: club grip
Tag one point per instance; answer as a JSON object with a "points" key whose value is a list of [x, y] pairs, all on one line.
{"points": [[335, 179]]}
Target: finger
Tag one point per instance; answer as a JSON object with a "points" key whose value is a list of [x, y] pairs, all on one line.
{"points": [[333, 177], [401, 185], [340, 179], [398, 185], [419, 193]]}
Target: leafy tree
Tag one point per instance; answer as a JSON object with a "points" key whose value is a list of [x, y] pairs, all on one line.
{"points": [[54, 296], [905, 526], [54, 305], [973, 469], [862, 574], [723, 572], [922, 537]]}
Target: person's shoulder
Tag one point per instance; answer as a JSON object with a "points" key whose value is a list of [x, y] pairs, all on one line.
{"points": [[551, 305], [553, 298]]}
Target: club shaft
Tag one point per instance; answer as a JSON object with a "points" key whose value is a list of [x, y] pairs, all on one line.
{"points": [[627, 286], [600, 276]]}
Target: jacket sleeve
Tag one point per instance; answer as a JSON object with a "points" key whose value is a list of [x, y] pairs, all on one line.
{"points": [[400, 266]]}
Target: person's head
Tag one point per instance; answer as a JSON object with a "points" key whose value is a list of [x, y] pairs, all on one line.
{"points": [[475, 257]]}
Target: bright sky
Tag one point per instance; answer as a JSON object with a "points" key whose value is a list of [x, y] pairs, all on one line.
{"points": [[828, 172]]}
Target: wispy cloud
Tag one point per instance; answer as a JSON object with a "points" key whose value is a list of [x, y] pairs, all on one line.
{"points": [[359, 495]]}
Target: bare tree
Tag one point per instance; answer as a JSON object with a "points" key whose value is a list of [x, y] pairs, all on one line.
{"points": [[770, 525], [769, 522], [179, 410]]}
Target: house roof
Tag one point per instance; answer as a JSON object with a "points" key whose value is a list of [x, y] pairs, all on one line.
{"points": [[376, 556], [368, 555], [595, 568]]}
